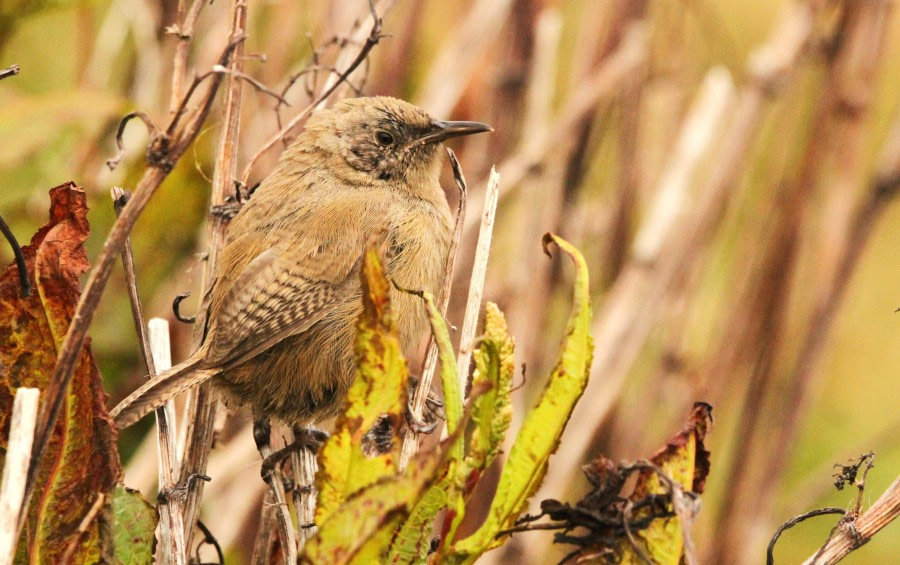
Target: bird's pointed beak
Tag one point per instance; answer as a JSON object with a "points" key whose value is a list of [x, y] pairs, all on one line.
{"points": [[440, 130]]}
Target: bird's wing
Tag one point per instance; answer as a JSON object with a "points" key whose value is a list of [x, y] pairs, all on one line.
{"points": [[281, 292]]}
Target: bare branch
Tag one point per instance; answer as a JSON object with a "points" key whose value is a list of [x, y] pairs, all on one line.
{"points": [[163, 153], [253, 82], [854, 533]]}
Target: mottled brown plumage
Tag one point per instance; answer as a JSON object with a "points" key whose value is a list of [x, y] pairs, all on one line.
{"points": [[286, 295]]}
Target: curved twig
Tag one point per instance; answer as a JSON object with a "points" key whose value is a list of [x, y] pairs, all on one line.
{"points": [[770, 551], [20, 257], [176, 309], [120, 145]]}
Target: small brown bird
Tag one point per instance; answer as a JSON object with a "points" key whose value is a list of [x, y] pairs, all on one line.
{"points": [[286, 294]]}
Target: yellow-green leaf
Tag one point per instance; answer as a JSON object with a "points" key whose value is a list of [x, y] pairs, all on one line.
{"points": [[494, 368], [685, 461], [539, 436], [491, 411], [414, 537], [366, 515], [376, 398]]}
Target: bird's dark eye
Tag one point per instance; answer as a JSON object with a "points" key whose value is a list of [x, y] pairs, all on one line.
{"points": [[384, 138]]}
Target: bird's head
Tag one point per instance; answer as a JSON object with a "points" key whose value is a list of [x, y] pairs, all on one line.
{"points": [[383, 139]]}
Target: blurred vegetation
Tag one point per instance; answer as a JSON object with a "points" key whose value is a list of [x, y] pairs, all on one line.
{"points": [[87, 63]]}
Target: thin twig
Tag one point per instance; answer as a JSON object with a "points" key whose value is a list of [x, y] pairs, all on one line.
{"points": [[24, 283], [770, 551], [476, 285], [209, 538], [176, 309], [183, 30], [15, 469], [253, 82], [282, 511], [113, 162], [156, 357], [120, 198], [371, 42], [9, 71], [420, 395]]}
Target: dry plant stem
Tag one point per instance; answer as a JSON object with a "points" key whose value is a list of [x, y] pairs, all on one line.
{"points": [[602, 84], [847, 86], [852, 534], [171, 526], [171, 523], [15, 469], [371, 42], [165, 151], [476, 285], [420, 395], [265, 533], [202, 405], [305, 494], [183, 30], [282, 512]]}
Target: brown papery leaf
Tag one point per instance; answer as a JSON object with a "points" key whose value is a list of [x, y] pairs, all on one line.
{"points": [[81, 461]]}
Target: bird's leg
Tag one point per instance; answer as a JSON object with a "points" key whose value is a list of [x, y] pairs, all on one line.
{"points": [[307, 441], [262, 435]]}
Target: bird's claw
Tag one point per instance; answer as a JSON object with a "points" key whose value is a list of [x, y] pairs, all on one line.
{"points": [[304, 438], [226, 211]]}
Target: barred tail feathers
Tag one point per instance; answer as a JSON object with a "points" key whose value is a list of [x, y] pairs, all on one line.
{"points": [[158, 390]]}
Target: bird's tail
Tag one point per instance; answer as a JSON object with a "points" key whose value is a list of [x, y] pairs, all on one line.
{"points": [[158, 390]]}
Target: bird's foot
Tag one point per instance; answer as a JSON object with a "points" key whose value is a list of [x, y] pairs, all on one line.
{"points": [[432, 413], [304, 439], [228, 210]]}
